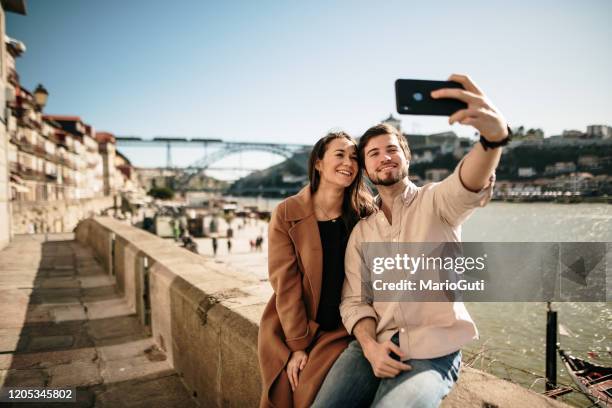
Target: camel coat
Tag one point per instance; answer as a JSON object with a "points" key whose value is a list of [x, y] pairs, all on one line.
{"points": [[295, 266]]}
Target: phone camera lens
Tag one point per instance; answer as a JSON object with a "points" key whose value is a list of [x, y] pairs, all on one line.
{"points": [[417, 96]]}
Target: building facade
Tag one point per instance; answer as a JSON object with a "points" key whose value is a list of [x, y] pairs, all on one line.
{"points": [[54, 170], [18, 7]]}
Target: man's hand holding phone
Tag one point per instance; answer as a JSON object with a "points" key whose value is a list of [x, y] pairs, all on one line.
{"points": [[480, 112]]}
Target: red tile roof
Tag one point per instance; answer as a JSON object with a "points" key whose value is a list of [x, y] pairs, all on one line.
{"points": [[63, 118], [105, 137]]}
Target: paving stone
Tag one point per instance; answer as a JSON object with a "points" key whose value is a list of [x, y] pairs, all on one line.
{"points": [[96, 281], [125, 350], [50, 342], [9, 343], [68, 313], [64, 324], [38, 314], [99, 293], [79, 373], [104, 309], [48, 359], [54, 283], [62, 273], [52, 328], [114, 327], [138, 367], [25, 378], [6, 361], [167, 390], [15, 319]]}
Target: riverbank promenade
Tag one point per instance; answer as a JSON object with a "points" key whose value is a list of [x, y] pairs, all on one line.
{"points": [[63, 324], [131, 320]]}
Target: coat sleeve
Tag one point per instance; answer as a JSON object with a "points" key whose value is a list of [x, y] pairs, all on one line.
{"points": [[286, 280]]}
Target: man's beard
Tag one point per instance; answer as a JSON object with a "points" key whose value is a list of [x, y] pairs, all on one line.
{"points": [[377, 181]]}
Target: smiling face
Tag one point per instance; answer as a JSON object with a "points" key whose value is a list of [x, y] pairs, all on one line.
{"points": [[339, 163], [385, 161]]}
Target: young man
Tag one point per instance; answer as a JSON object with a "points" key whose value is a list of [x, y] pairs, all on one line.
{"points": [[426, 336]]}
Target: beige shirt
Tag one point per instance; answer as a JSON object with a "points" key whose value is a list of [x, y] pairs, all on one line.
{"points": [[432, 213]]}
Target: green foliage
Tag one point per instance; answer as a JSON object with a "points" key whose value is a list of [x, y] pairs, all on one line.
{"points": [[162, 193]]}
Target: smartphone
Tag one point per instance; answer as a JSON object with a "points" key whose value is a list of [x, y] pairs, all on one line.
{"points": [[413, 97]]}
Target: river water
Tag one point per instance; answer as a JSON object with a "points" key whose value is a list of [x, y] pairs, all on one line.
{"points": [[512, 335]]}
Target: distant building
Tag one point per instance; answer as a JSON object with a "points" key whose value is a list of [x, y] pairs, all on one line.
{"points": [[436, 139], [560, 168], [599, 131], [463, 146], [392, 121], [108, 150], [125, 175], [90, 171], [583, 183], [435, 175], [292, 178], [7, 74], [573, 134], [425, 154], [526, 172], [588, 161]]}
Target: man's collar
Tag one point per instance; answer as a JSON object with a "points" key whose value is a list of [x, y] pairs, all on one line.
{"points": [[406, 196]]}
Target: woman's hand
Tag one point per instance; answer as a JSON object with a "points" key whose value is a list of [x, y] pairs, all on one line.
{"points": [[297, 362]]}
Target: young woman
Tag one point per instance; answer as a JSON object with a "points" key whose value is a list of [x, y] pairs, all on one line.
{"points": [[301, 334]]}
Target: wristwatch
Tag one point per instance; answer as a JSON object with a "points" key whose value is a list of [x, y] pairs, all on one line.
{"points": [[487, 144]]}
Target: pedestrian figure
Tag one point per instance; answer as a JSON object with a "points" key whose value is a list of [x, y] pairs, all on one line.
{"points": [[214, 245], [189, 244], [252, 244], [175, 229], [229, 246], [258, 243]]}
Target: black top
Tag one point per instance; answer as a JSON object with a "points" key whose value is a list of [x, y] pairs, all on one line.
{"points": [[334, 237]]}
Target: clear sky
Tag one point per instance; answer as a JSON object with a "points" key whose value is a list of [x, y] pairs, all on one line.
{"points": [[291, 71]]}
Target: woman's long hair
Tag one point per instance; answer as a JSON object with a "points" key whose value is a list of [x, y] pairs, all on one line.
{"points": [[357, 202]]}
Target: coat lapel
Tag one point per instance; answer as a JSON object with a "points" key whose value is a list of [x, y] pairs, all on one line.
{"points": [[305, 236]]}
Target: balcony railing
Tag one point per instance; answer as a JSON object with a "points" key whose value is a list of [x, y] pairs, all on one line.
{"points": [[26, 121], [39, 150], [30, 174], [25, 145], [62, 161], [14, 167], [13, 77], [68, 181], [14, 139]]}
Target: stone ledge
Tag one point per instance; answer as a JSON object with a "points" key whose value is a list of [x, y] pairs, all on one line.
{"points": [[206, 317]]}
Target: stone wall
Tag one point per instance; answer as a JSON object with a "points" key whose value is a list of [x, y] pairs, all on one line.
{"points": [[54, 216], [205, 317]]}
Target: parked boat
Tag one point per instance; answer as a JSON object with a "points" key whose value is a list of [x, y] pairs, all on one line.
{"points": [[594, 380]]}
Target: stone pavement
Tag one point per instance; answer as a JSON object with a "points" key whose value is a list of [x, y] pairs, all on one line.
{"points": [[242, 258], [62, 324]]}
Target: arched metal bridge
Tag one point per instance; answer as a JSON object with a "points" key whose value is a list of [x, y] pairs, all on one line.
{"points": [[221, 149]]}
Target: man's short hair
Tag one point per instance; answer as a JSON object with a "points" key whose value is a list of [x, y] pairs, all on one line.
{"points": [[378, 130]]}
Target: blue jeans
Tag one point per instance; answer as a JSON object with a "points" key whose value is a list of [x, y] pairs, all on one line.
{"points": [[352, 383]]}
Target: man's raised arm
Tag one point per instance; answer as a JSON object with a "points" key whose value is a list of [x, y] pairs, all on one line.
{"points": [[479, 164]]}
